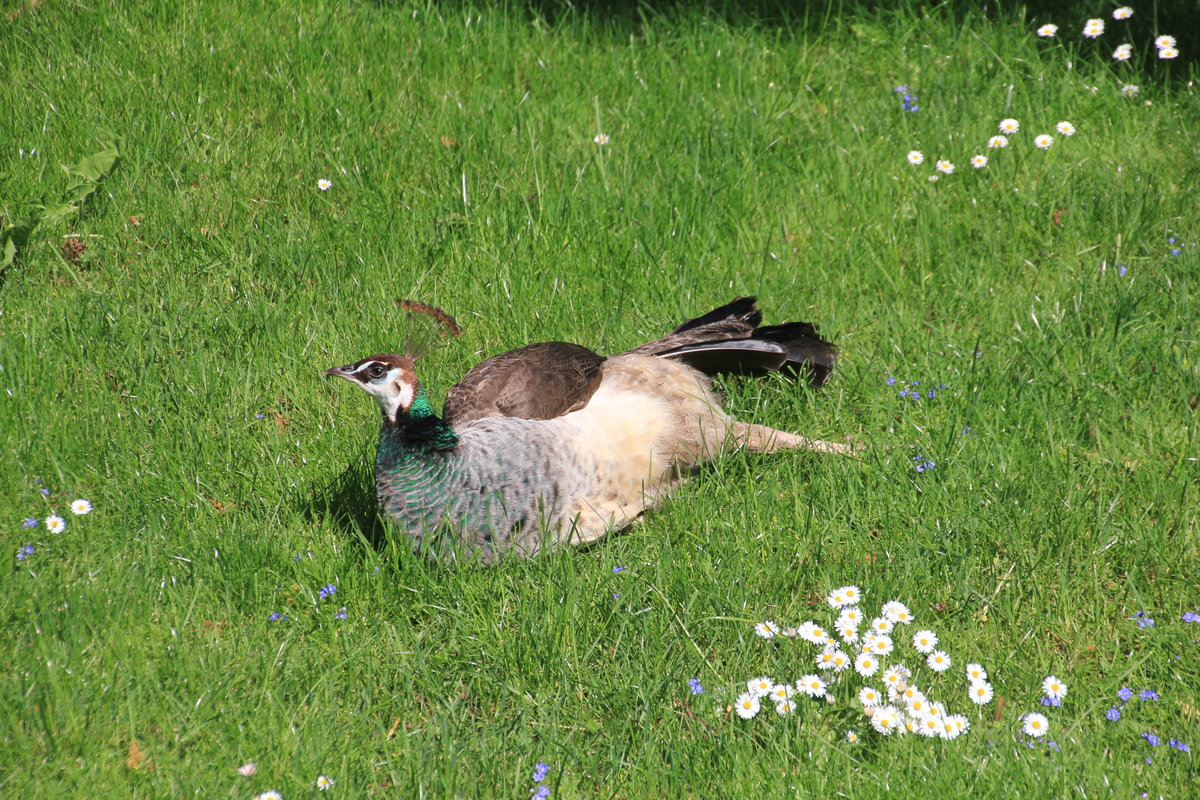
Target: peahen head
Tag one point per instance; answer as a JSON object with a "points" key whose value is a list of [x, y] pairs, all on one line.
{"points": [[389, 378]]}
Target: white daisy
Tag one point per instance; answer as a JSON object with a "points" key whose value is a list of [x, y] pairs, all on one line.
{"points": [[886, 720], [911, 694], [1043, 141], [981, 692], [882, 645], [979, 161], [893, 677], [1093, 28], [976, 672], [936, 710], [780, 692], [850, 615], [1168, 52], [747, 705], [55, 523], [811, 632], [938, 661], [949, 729], [825, 658], [943, 166], [841, 661], [836, 598], [1164, 41], [849, 633], [1009, 126], [893, 610], [925, 641], [81, 507], [866, 664], [1124, 52], [325, 782], [1124, 12], [784, 707], [915, 157], [961, 723], [601, 138], [1047, 31], [851, 737], [882, 625], [911, 724], [271, 795], [997, 142], [869, 696], [934, 178], [851, 592], [324, 184], [1129, 90], [811, 685], [1054, 688], [761, 686], [1035, 724], [1065, 128], [930, 726], [247, 769], [918, 706], [766, 630]]}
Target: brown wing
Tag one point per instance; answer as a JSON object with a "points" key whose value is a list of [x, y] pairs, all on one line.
{"points": [[539, 381]]}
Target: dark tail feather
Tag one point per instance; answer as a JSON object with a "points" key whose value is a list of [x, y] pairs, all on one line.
{"points": [[727, 340]]}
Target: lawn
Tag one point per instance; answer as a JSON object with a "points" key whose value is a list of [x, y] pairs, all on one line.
{"points": [[1018, 358]]}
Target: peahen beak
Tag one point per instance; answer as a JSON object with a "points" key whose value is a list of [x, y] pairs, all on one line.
{"points": [[344, 371]]}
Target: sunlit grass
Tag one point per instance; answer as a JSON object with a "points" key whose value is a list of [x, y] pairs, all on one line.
{"points": [[171, 375]]}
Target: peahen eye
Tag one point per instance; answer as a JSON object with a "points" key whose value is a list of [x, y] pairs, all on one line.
{"points": [[375, 371]]}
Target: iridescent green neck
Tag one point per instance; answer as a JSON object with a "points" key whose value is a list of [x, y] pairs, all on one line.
{"points": [[421, 428]]}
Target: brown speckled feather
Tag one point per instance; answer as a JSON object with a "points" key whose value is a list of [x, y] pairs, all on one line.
{"points": [[538, 381]]}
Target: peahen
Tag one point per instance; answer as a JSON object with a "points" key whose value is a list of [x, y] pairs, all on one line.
{"points": [[553, 445]]}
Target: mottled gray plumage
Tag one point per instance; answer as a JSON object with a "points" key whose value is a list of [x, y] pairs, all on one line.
{"points": [[553, 445]]}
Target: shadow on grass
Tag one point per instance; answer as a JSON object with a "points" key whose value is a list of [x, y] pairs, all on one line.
{"points": [[348, 503]]}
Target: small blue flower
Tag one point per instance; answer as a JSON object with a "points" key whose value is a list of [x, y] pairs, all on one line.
{"points": [[904, 88], [1053, 745], [1121, 270], [1170, 240], [326, 591], [1180, 746], [275, 615], [1052, 701], [259, 416], [1143, 621], [932, 393], [1125, 693], [540, 770], [24, 552], [341, 614], [891, 381], [29, 522], [1191, 616], [616, 596], [694, 685], [1148, 694], [46, 492], [1151, 739], [540, 792], [1113, 714], [619, 569]]}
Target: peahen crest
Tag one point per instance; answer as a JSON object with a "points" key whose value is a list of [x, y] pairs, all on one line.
{"points": [[424, 327]]}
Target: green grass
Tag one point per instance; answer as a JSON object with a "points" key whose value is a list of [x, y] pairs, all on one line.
{"points": [[746, 156]]}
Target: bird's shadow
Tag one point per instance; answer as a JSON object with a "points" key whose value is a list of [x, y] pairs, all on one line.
{"points": [[348, 502]]}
